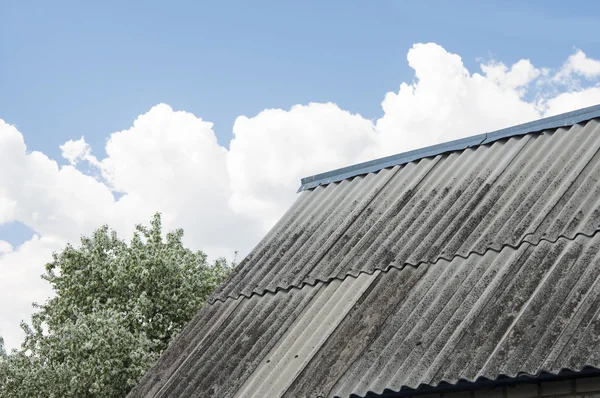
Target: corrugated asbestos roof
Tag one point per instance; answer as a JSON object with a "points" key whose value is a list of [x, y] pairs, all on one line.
{"points": [[519, 189], [478, 263]]}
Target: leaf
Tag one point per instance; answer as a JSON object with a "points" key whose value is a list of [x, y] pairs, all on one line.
{"points": [[116, 307]]}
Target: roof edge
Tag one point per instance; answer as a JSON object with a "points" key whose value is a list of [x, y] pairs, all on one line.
{"points": [[561, 120], [483, 383]]}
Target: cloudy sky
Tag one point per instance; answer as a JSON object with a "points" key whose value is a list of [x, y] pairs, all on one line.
{"points": [[110, 112]]}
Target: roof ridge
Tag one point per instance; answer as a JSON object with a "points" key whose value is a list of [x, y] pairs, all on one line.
{"points": [[390, 266], [552, 122]]}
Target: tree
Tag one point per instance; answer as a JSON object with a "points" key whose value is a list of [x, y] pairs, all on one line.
{"points": [[116, 309]]}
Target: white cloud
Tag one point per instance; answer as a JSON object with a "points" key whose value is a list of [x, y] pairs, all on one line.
{"points": [[517, 77], [21, 284], [167, 161], [271, 151], [5, 247], [49, 199], [170, 161], [8, 208], [447, 102], [578, 64], [573, 100], [77, 150]]}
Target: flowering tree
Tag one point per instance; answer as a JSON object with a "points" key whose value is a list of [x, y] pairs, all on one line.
{"points": [[116, 308]]}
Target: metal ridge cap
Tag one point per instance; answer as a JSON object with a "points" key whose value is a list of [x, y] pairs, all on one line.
{"points": [[552, 122], [561, 120], [388, 161]]}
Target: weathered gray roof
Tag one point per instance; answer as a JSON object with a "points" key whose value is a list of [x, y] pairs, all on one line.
{"points": [[472, 264], [518, 189]]}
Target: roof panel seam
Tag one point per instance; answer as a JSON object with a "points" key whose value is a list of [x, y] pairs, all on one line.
{"points": [[406, 264]]}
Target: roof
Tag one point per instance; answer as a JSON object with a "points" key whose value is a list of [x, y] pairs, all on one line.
{"points": [[467, 264], [562, 120]]}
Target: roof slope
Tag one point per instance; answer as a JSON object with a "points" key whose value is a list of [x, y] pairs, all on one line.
{"points": [[475, 263], [516, 190]]}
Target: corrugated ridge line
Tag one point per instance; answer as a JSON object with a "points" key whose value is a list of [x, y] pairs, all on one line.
{"points": [[562, 120], [360, 233], [521, 276], [447, 229], [566, 279], [509, 330], [459, 319], [417, 179], [399, 267], [560, 280], [583, 159]]}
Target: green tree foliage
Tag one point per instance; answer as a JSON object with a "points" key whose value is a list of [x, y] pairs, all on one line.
{"points": [[115, 310]]}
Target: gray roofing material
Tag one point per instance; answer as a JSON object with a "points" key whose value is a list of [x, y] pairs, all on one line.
{"points": [[520, 189], [518, 311], [467, 265]]}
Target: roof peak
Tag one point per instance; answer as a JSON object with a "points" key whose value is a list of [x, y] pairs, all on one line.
{"points": [[561, 120]]}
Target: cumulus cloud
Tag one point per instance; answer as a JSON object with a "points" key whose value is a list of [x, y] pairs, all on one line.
{"points": [[271, 151], [21, 284], [578, 64], [78, 150], [572, 100], [226, 199], [8, 208], [446, 102], [5, 247], [167, 161], [171, 161]]}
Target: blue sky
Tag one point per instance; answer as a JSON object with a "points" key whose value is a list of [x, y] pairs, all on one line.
{"points": [[72, 68], [289, 89]]}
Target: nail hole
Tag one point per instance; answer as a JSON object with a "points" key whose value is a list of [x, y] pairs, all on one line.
{"points": [[268, 360], [295, 356], [418, 343]]}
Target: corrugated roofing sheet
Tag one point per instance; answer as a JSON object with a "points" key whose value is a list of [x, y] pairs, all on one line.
{"points": [[518, 311], [520, 189], [467, 265]]}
